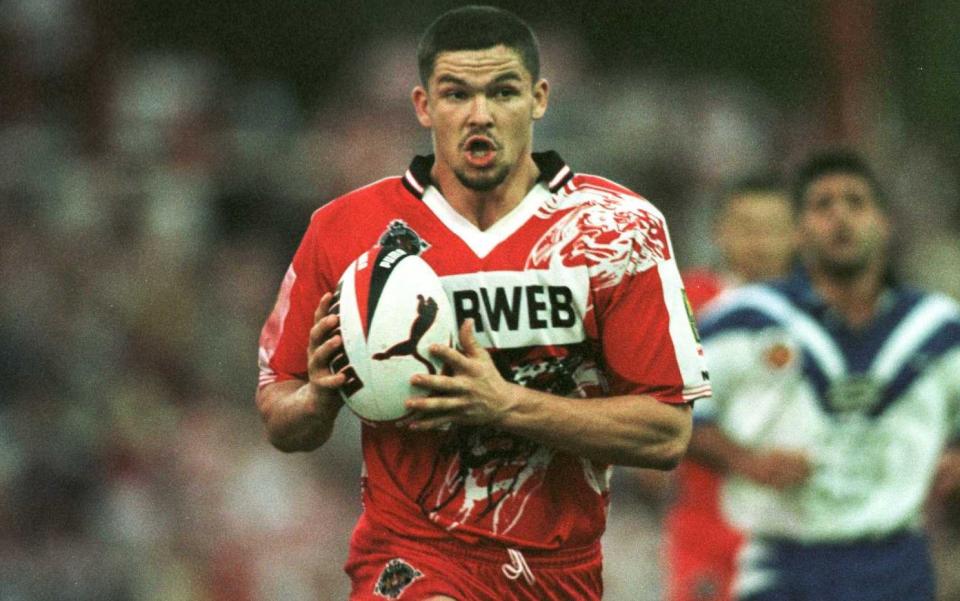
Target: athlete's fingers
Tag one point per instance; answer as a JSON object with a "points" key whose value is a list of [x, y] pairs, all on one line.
{"points": [[428, 413], [323, 307], [468, 339], [435, 423], [444, 384], [431, 421], [414, 416], [319, 358], [322, 329], [329, 381], [431, 405], [450, 357], [323, 323]]}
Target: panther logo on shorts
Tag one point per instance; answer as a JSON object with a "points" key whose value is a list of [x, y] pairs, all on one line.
{"points": [[396, 577]]}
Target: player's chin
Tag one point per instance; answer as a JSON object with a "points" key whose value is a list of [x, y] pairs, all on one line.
{"points": [[846, 266], [482, 180]]}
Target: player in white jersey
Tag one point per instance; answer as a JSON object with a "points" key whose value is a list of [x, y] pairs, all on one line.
{"points": [[836, 392]]}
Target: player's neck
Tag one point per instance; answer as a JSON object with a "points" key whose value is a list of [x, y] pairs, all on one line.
{"points": [[854, 298], [483, 209]]}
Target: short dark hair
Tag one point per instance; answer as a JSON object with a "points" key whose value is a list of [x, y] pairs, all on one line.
{"points": [[767, 182], [477, 28], [763, 182], [843, 161]]}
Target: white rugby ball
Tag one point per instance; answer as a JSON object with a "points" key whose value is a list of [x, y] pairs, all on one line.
{"points": [[392, 307]]}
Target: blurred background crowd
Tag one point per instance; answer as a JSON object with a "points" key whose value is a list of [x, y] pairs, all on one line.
{"points": [[160, 160]]}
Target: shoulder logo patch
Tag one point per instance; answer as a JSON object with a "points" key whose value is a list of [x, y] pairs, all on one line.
{"points": [[396, 576], [778, 355]]}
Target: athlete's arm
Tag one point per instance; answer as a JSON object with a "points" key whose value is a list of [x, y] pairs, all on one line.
{"points": [[299, 414], [947, 479], [634, 430], [630, 430], [776, 468]]}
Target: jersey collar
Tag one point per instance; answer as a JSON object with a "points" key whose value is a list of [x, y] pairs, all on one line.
{"points": [[554, 172], [799, 288]]}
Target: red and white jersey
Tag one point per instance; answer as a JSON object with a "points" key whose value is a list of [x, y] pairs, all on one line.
{"points": [[575, 292]]}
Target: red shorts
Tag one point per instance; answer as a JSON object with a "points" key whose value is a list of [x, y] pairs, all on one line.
{"points": [[384, 566]]}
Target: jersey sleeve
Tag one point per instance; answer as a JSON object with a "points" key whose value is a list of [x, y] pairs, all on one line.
{"points": [[649, 338], [743, 345], [729, 358], [286, 333]]}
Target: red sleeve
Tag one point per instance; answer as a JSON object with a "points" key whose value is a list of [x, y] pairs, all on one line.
{"points": [[286, 333], [648, 335]]}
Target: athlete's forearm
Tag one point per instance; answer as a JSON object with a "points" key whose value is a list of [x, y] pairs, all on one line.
{"points": [[297, 417], [776, 468], [633, 430], [711, 447]]}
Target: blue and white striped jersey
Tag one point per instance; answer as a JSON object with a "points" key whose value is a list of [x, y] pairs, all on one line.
{"points": [[873, 407]]}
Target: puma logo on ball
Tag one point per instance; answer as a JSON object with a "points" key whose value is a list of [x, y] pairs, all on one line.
{"points": [[426, 315]]}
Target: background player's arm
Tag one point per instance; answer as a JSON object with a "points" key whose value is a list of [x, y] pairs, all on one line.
{"points": [[633, 430], [734, 357], [775, 468], [947, 480], [298, 414]]}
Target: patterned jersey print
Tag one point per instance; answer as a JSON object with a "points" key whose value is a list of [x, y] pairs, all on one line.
{"points": [[575, 293]]}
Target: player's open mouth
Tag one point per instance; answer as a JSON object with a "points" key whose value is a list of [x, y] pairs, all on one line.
{"points": [[480, 151]]}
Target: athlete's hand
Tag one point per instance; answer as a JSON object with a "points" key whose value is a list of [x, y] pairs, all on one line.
{"points": [[947, 479], [299, 415], [779, 469], [322, 348], [474, 394]]}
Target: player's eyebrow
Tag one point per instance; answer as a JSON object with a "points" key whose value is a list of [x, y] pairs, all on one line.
{"points": [[452, 79], [508, 76]]}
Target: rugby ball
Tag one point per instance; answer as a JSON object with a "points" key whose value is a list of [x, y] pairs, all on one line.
{"points": [[392, 307]]}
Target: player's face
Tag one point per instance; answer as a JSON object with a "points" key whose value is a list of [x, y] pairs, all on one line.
{"points": [[756, 235], [843, 230], [480, 106]]}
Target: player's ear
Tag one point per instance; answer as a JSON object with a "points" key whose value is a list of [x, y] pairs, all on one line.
{"points": [[541, 97], [421, 104]]}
